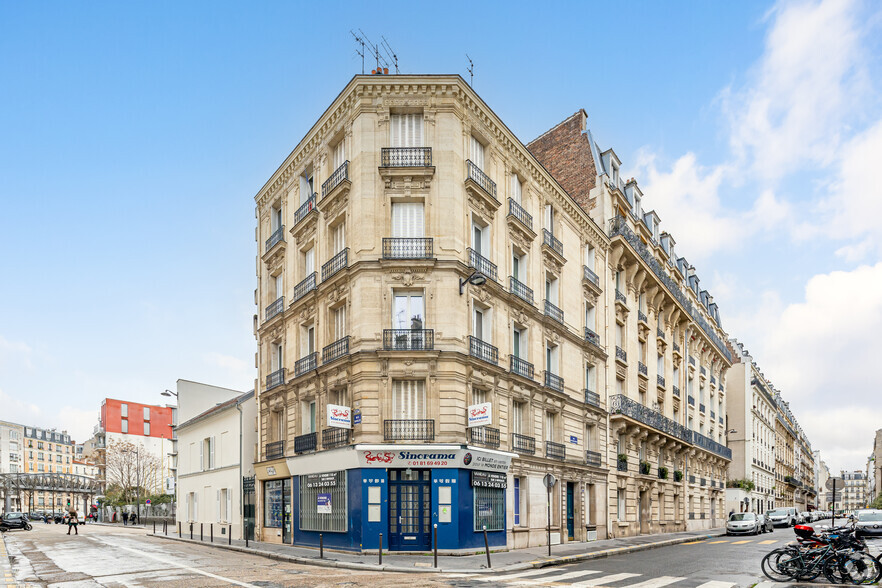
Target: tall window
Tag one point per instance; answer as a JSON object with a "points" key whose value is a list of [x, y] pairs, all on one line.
{"points": [[276, 218], [146, 433], [620, 504], [519, 342], [339, 153], [590, 316], [549, 218], [551, 289], [550, 421], [591, 377], [308, 261], [307, 341], [481, 237], [516, 188], [146, 415], [590, 257], [123, 411], [408, 219], [660, 366], [307, 416], [307, 187], [551, 358], [125, 426], [406, 130], [276, 356], [518, 417], [519, 266], [482, 323], [278, 286], [517, 501], [339, 316], [408, 399], [338, 238], [477, 153]]}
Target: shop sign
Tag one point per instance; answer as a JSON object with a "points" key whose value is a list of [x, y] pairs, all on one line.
{"points": [[325, 480], [488, 480], [323, 503], [480, 414], [430, 457], [356, 416], [339, 416]]}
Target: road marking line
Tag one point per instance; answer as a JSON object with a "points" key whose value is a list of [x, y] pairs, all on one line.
{"points": [[177, 565], [693, 542], [716, 584], [715, 542], [655, 582], [768, 542], [604, 580], [526, 574], [742, 542], [555, 578]]}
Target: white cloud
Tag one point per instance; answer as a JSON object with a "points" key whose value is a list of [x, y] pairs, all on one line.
{"points": [[18, 411], [15, 354]]}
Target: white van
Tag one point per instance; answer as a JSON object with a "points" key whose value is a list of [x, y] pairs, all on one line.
{"points": [[783, 517]]}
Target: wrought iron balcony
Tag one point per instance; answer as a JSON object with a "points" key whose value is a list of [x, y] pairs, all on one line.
{"points": [[621, 404], [335, 264], [307, 285], [483, 265], [517, 211], [660, 380], [482, 350], [555, 450], [408, 248], [641, 316], [592, 458], [304, 443], [642, 369], [676, 390], [621, 298], [521, 368], [691, 400], [592, 398], [591, 276], [340, 174], [334, 437], [710, 445], [408, 339], [520, 290], [554, 382], [406, 157], [592, 337], [306, 364], [274, 379], [305, 209], [479, 177], [409, 430], [553, 312], [621, 354], [277, 236], [551, 241], [275, 450], [523, 444], [486, 436], [660, 333], [335, 350], [277, 306], [700, 407], [622, 465]]}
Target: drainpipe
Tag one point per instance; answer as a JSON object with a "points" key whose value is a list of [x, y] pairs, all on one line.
{"points": [[241, 512]]}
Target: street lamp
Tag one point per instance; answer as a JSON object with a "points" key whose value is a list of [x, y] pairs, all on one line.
{"points": [[169, 393], [476, 278]]}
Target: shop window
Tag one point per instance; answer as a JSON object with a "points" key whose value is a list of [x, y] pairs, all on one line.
{"points": [[489, 509], [323, 504], [273, 497]]}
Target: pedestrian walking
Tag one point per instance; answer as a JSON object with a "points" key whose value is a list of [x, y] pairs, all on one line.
{"points": [[125, 517], [72, 521]]}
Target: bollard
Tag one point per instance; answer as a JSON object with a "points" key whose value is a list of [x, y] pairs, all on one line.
{"points": [[230, 535], [179, 530], [246, 534], [381, 549], [435, 530], [191, 531], [487, 547], [165, 527], [154, 526], [321, 546], [211, 529], [201, 525]]}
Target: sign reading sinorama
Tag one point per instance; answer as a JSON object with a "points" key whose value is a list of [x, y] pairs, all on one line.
{"points": [[469, 459]]}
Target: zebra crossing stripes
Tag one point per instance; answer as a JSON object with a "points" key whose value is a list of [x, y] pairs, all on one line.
{"points": [[557, 578], [604, 580], [656, 582], [585, 579]]}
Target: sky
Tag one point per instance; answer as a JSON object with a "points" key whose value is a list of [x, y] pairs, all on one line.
{"points": [[134, 136]]}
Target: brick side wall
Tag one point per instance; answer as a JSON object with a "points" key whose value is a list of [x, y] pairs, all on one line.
{"points": [[566, 154]]}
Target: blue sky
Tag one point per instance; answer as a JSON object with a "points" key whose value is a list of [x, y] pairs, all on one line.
{"points": [[134, 136]]}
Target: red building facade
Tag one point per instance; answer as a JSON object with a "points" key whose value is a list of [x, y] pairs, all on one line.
{"points": [[134, 418]]}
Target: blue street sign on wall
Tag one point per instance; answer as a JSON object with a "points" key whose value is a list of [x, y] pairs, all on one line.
{"points": [[573, 439]]}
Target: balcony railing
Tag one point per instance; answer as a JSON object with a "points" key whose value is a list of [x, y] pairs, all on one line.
{"points": [[482, 350], [621, 354], [277, 236], [592, 458], [483, 265], [660, 380], [641, 367], [277, 306], [340, 174], [622, 465], [619, 226], [335, 437], [592, 398], [335, 264], [307, 442], [711, 445], [676, 390], [553, 312], [691, 400], [523, 444], [307, 285], [406, 157], [305, 364], [641, 316], [554, 382], [552, 242], [591, 276], [592, 337], [520, 290], [521, 368], [274, 379], [275, 450], [486, 436], [409, 430], [408, 248], [555, 450], [621, 298], [479, 177], [336, 350], [517, 211], [305, 209], [621, 404], [408, 339]]}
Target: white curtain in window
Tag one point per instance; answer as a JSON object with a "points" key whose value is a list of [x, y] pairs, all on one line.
{"points": [[408, 399], [280, 288], [340, 323], [309, 255], [515, 188], [517, 418], [339, 238], [305, 190], [477, 153], [408, 219], [406, 130], [339, 153], [549, 426]]}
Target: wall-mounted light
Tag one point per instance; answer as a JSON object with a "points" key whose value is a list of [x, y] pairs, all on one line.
{"points": [[475, 279]]}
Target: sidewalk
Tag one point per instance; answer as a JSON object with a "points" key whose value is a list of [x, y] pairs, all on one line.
{"points": [[514, 560]]}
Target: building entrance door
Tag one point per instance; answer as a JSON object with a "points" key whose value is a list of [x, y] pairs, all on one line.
{"points": [[571, 511], [643, 511], [409, 509], [248, 507]]}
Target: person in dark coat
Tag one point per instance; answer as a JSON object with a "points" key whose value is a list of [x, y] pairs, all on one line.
{"points": [[72, 521], [125, 516]]}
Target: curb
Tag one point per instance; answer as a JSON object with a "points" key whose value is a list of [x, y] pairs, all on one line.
{"points": [[556, 561]]}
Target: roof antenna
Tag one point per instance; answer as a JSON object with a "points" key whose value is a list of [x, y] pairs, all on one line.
{"points": [[374, 49], [471, 70], [360, 41], [390, 52]]}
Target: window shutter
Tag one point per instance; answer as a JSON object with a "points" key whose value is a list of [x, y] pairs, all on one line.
{"points": [[310, 260], [395, 130], [477, 153], [407, 219], [202, 456], [279, 286], [211, 445], [408, 399], [217, 510]]}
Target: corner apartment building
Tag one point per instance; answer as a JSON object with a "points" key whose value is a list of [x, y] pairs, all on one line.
{"points": [[752, 414], [51, 452], [11, 459], [417, 268], [666, 374], [794, 460], [854, 495]]}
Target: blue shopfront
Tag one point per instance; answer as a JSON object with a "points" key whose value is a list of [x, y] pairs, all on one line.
{"points": [[353, 495]]}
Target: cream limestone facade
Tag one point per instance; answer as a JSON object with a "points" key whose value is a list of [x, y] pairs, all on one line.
{"points": [[415, 260]]}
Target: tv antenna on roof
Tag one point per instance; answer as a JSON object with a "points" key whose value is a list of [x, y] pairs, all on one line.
{"points": [[390, 52], [360, 41], [375, 50], [471, 70]]}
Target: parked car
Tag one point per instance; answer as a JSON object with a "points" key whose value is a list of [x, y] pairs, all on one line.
{"points": [[868, 523], [806, 516], [766, 523], [783, 517], [14, 520], [743, 523]]}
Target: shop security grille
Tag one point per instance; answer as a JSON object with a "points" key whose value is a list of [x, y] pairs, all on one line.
{"points": [[323, 505], [489, 509]]}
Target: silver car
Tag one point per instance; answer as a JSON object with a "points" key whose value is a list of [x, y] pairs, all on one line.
{"points": [[743, 523], [868, 523]]}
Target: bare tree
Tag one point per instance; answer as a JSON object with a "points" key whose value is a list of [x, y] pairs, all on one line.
{"points": [[131, 467]]}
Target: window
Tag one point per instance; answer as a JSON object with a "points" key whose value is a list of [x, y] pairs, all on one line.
{"points": [[519, 343], [338, 238], [339, 316], [408, 310], [622, 446], [489, 509], [477, 153], [590, 377], [550, 421], [516, 188], [481, 237], [551, 358], [408, 220], [517, 501], [307, 413], [482, 323], [660, 366], [146, 413], [620, 334], [551, 289], [125, 426], [207, 455], [124, 410], [339, 153], [276, 218], [147, 429], [224, 498], [590, 316], [333, 495], [307, 339], [406, 130], [518, 417], [620, 496], [273, 498], [307, 187], [479, 396], [276, 356], [519, 266], [408, 399], [590, 257], [278, 286], [549, 218], [308, 259]]}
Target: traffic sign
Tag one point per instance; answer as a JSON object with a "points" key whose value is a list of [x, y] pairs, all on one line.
{"points": [[549, 480], [147, 502], [838, 481]]}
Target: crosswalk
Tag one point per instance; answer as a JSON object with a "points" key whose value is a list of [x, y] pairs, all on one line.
{"points": [[577, 578]]}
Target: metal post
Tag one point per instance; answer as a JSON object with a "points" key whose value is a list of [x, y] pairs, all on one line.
{"points": [[211, 529], [179, 530], [191, 531], [549, 521], [154, 526], [833, 524], [246, 534], [487, 547], [435, 531], [201, 525], [321, 546], [381, 549], [230, 535]]}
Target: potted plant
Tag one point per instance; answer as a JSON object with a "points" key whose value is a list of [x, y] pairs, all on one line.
{"points": [[644, 468], [663, 473], [623, 461], [678, 476]]}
